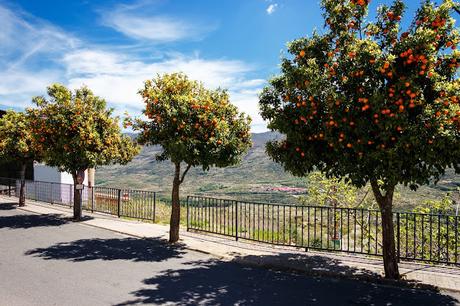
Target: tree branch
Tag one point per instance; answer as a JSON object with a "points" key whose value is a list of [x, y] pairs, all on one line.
{"points": [[362, 200], [457, 9], [185, 172], [376, 190]]}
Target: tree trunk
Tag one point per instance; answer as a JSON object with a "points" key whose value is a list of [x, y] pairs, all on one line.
{"points": [[22, 193], [390, 260], [76, 199], [175, 213]]}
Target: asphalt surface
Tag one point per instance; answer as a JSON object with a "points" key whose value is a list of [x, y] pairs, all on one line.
{"points": [[45, 260]]}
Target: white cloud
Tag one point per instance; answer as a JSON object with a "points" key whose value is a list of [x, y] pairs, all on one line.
{"points": [[34, 54], [135, 22], [271, 8], [24, 40], [23, 36], [118, 79]]}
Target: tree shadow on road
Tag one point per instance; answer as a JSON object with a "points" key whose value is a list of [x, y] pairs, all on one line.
{"points": [[215, 282], [7, 206], [133, 249], [29, 221]]}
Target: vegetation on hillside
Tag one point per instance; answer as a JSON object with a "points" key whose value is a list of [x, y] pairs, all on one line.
{"points": [[251, 180]]}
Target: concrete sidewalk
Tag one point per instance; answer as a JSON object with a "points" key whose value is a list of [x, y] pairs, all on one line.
{"points": [[262, 255]]}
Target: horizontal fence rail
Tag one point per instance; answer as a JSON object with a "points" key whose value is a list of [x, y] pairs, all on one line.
{"points": [[136, 204], [419, 237]]}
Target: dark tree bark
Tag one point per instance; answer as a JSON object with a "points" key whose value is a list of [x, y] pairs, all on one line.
{"points": [[390, 260], [174, 224], [76, 199], [175, 213], [22, 193]]}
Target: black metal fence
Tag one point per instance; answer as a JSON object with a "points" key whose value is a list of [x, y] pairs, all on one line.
{"points": [[419, 237], [136, 204]]}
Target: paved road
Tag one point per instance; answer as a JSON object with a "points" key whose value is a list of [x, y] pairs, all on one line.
{"points": [[45, 260]]}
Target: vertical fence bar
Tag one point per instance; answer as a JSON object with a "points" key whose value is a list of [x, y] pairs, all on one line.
{"points": [[415, 236], [439, 237], [71, 198], [308, 227], [456, 239], [301, 226], [273, 225], [398, 237], [188, 214], [119, 203], [447, 239], [361, 229], [236, 220], [154, 206], [92, 199], [423, 237]]}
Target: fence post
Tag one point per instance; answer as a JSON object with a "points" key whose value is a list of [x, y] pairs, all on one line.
{"points": [[119, 203], [236, 220], [71, 195], [92, 199], [52, 193], [154, 205], [188, 226], [398, 236]]}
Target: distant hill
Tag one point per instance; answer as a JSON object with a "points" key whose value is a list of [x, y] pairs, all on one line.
{"points": [[249, 180], [257, 178]]}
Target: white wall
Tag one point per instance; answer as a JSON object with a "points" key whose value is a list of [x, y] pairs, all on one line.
{"points": [[50, 174]]}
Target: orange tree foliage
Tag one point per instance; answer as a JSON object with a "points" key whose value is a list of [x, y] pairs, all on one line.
{"points": [[370, 101], [77, 131], [193, 125], [16, 140], [18, 144]]}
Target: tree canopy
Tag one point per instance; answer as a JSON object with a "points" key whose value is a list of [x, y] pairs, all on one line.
{"points": [[18, 144], [16, 140], [191, 123], [370, 101], [78, 131]]}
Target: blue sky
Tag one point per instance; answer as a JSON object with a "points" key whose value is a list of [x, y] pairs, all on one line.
{"points": [[113, 46]]}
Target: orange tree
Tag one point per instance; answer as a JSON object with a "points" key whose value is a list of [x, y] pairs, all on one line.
{"points": [[194, 126], [78, 132], [17, 144], [370, 102]]}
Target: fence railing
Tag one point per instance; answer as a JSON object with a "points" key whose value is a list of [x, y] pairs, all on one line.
{"points": [[419, 237], [136, 204]]}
